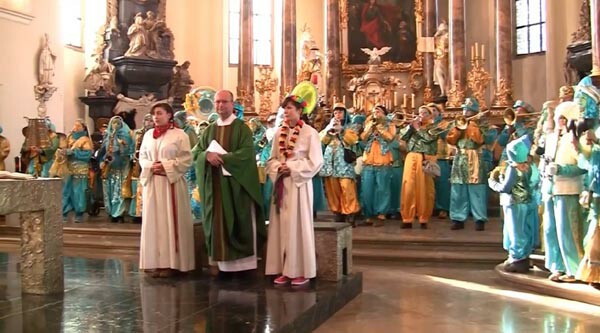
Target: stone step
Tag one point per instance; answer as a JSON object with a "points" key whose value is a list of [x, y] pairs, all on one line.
{"points": [[425, 244], [451, 258]]}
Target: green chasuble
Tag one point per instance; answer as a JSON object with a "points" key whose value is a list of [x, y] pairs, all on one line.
{"points": [[227, 200]]}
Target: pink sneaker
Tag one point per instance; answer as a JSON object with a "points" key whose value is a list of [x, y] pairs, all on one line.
{"points": [[282, 279], [299, 281]]}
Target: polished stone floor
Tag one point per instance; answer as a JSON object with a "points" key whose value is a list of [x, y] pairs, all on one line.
{"points": [[111, 295], [425, 299]]}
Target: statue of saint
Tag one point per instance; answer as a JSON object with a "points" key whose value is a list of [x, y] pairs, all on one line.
{"points": [[182, 82], [99, 77], [138, 38], [46, 64], [440, 56]]}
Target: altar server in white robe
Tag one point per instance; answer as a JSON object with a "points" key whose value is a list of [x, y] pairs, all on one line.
{"points": [[296, 157], [167, 241]]}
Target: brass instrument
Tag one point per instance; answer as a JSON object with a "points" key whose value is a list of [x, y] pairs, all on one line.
{"points": [[402, 118], [263, 141], [510, 116], [108, 157], [461, 122]]}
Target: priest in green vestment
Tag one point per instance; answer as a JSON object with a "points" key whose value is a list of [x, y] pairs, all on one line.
{"points": [[227, 176]]}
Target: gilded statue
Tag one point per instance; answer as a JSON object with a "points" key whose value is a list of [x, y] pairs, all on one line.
{"points": [[440, 56], [99, 77], [138, 38]]}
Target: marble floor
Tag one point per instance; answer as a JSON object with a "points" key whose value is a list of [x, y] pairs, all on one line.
{"points": [[426, 299], [111, 295]]}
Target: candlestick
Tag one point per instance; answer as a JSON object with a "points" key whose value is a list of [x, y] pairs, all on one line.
{"points": [[412, 101]]}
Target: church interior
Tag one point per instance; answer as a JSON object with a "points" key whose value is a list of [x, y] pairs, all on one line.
{"points": [[491, 108]]}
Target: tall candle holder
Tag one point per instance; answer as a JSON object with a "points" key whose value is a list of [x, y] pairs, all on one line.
{"points": [[478, 78]]}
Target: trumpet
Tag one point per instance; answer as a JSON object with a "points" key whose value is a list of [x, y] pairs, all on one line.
{"points": [[510, 116]]}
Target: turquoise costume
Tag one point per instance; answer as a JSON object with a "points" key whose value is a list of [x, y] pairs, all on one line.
{"points": [[561, 186], [180, 120], [75, 183], [469, 172], [135, 207], [115, 154], [588, 97], [515, 198], [397, 171], [40, 165]]}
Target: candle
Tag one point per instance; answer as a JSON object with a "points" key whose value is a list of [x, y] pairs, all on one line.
{"points": [[412, 101], [344, 100], [482, 51], [472, 52], [395, 98], [476, 51], [404, 103], [334, 99]]}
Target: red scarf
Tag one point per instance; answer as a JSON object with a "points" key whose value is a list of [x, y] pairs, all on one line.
{"points": [[160, 130]]}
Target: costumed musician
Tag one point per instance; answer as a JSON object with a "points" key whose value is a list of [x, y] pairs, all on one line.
{"points": [[418, 190], [468, 175], [338, 174], [377, 162]]}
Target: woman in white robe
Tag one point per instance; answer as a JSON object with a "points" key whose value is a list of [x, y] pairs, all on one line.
{"points": [[167, 241], [296, 157]]}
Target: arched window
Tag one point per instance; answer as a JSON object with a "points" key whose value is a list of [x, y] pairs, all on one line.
{"points": [[262, 26], [530, 28], [72, 23]]}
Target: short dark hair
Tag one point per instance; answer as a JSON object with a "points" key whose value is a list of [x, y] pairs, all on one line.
{"points": [[165, 106], [290, 99]]}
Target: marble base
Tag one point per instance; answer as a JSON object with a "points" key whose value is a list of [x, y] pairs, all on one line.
{"points": [[109, 295], [333, 245], [537, 280], [138, 76], [39, 204]]}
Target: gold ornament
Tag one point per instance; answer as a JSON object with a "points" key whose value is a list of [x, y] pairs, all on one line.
{"points": [[265, 87], [478, 80]]}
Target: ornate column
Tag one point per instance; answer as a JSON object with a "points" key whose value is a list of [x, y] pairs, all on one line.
{"points": [[430, 13], [245, 87], [456, 93], [288, 64], [595, 23], [334, 69], [503, 95]]}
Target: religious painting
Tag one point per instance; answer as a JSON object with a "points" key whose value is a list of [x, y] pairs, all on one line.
{"points": [[380, 23]]}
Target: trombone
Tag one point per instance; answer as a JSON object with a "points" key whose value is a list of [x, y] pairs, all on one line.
{"points": [[461, 122], [510, 116], [402, 118]]}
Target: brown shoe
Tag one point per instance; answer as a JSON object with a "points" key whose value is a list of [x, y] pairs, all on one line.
{"points": [[369, 221], [443, 214], [378, 223]]}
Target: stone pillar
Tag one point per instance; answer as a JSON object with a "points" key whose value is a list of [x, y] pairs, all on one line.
{"points": [[245, 87], [456, 93], [334, 67], [288, 64], [595, 23], [503, 95], [39, 203], [429, 31]]}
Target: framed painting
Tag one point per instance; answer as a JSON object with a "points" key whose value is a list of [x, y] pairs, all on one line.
{"points": [[380, 23]]}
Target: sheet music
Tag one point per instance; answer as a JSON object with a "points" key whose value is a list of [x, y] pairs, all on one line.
{"points": [[215, 147]]}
